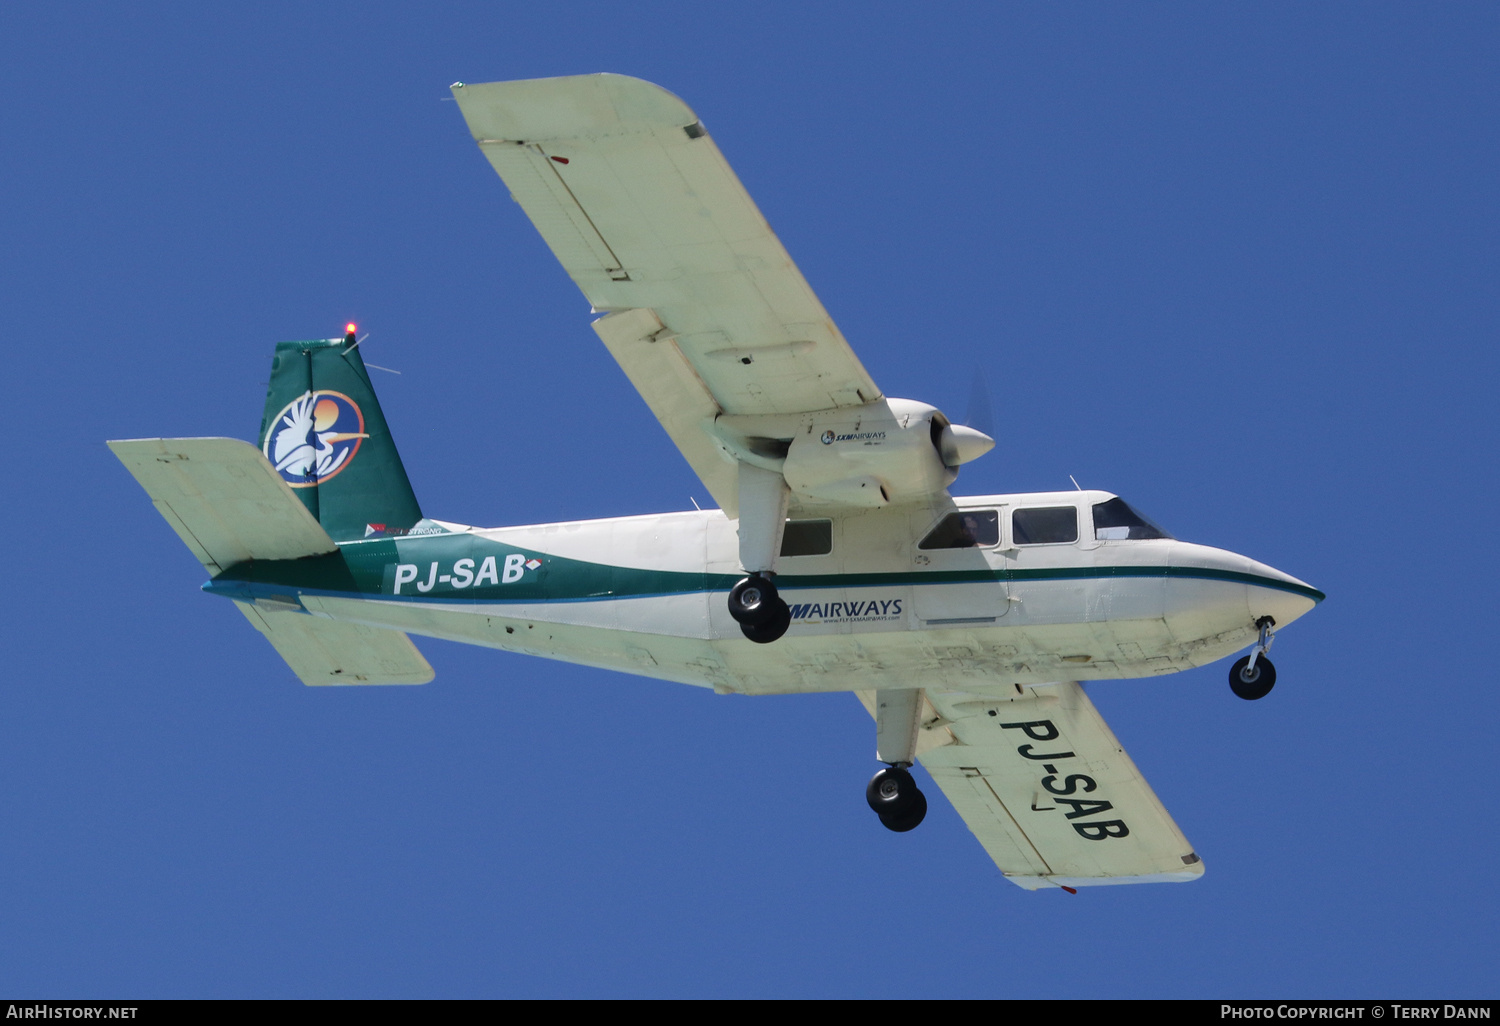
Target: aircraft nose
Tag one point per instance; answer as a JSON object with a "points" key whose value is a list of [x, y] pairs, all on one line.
{"points": [[1268, 591], [1278, 594]]}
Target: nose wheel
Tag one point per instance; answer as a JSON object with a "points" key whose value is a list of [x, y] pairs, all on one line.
{"points": [[896, 799], [1253, 676]]}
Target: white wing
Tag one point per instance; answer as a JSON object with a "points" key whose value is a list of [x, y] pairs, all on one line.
{"points": [[1046, 788], [706, 311]]}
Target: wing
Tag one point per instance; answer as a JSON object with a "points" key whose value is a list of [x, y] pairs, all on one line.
{"points": [[1042, 782], [705, 311]]}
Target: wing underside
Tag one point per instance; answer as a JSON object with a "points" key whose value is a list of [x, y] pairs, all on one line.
{"points": [[1049, 792], [706, 312]]}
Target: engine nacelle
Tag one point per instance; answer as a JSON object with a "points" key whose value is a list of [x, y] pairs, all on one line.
{"points": [[888, 451]]}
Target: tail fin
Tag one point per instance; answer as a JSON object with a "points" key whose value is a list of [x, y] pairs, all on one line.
{"points": [[325, 434]]}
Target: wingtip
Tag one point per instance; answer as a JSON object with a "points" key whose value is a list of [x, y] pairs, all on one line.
{"points": [[539, 109]]}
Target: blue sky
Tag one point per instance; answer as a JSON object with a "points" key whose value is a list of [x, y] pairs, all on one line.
{"points": [[1237, 263]]}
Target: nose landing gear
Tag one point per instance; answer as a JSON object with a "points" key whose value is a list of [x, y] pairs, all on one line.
{"points": [[1253, 676]]}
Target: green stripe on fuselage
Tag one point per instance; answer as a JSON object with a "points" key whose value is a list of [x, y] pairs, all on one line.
{"points": [[496, 572]]}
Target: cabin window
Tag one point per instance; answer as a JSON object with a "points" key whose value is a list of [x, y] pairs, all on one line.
{"points": [[1045, 526], [966, 529], [1114, 520], [807, 538]]}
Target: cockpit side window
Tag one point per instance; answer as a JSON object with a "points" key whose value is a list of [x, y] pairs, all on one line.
{"points": [[1114, 520], [1050, 525], [966, 529]]}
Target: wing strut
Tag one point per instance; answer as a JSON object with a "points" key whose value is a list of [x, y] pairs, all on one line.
{"points": [[763, 501]]}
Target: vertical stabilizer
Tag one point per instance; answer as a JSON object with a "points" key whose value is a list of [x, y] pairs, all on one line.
{"points": [[325, 434]]}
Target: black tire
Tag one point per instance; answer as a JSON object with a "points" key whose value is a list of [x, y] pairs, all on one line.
{"points": [[754, 601], [1260, 682], [764, 634], [891, 792], [908, 820]]}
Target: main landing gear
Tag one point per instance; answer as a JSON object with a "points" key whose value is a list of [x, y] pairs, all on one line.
{"points": [[762, 614], [892, 793], [894, 796], [1253, 676]]}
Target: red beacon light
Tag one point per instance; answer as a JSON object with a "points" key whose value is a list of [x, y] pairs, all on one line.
{"points": [[349, 330]]}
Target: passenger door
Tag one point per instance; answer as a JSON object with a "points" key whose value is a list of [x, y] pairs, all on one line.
{"points": [[960, 576]]}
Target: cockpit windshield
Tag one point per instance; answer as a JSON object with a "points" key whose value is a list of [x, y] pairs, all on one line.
{"points": [[1114, 520]]}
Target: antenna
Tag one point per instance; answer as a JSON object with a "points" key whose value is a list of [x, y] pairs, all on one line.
{"points": [[352, 348], [1075, 482], [695, 504]]}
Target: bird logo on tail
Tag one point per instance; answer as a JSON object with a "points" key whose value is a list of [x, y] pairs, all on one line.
{"points": [[314, 437]]}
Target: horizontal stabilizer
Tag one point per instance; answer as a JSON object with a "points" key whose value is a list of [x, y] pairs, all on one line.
{"points": [[228, 504], [224, 500], [323, 651]]}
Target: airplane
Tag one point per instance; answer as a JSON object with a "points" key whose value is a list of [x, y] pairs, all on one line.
{"points": [[838, 559]]}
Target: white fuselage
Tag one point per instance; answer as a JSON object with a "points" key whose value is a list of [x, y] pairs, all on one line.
{"points": [[877, 610]]}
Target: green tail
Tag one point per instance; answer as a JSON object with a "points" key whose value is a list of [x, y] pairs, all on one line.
{"points": [[325, 434]]}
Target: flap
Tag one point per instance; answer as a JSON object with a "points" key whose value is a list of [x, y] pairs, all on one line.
{"points": [[679, 398]]}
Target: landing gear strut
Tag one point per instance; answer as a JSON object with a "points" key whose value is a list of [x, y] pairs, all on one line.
{"points": [[763, 495], [1253, 676], [762, 614], [892, 793]]}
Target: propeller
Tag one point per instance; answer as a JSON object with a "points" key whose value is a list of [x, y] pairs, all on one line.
{"points": [[980, 415], [960, 443]]}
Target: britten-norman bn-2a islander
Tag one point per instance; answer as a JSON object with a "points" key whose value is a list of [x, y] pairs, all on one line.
{"points": [[838, 560]]}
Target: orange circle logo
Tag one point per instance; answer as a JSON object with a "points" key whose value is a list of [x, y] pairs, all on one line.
{"points": [[314, 438]]}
